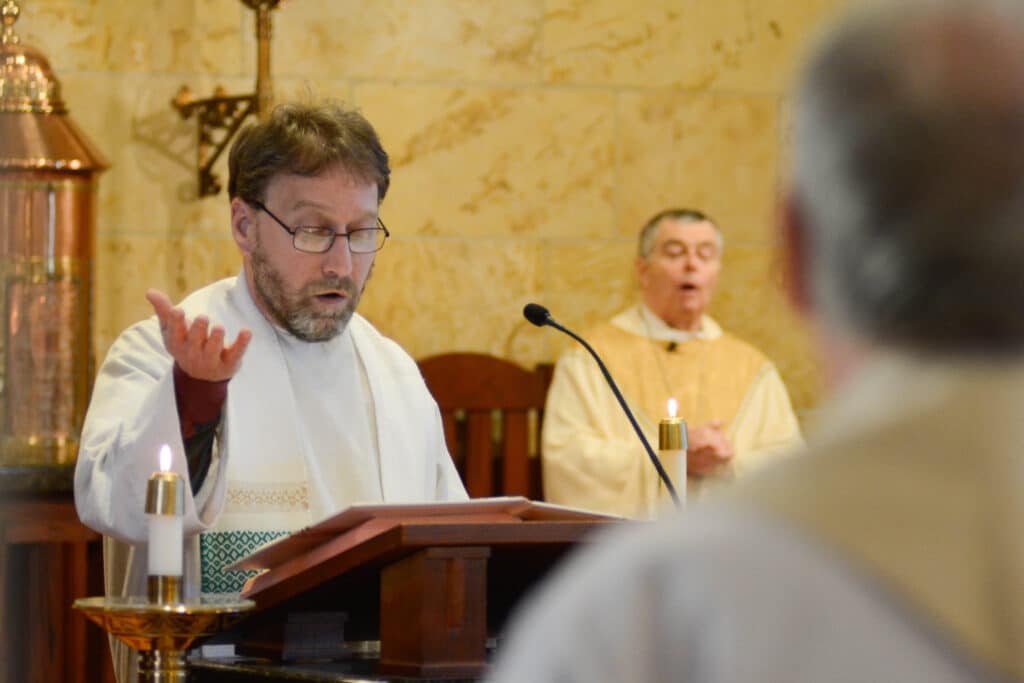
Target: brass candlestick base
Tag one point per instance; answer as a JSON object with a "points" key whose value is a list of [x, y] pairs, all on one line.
{"points": [[164, 590], [162, 633]]}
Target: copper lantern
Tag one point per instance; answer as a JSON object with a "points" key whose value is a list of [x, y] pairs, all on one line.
{"points": [[48, 173]]}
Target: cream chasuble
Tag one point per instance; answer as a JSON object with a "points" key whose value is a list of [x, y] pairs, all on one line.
{"points": [[591, 456]]}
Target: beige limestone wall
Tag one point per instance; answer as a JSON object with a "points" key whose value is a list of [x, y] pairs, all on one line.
{"points": [[530, 139]]}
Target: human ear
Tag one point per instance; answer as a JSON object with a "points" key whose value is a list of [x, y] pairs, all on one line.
{"points": [[640, 266], [793, 236], [242, 225]]}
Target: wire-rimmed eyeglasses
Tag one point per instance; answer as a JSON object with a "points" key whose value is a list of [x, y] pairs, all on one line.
{"points": [[315, 239]]}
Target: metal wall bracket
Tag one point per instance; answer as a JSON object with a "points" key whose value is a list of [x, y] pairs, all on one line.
{"points": [[219, 117]]}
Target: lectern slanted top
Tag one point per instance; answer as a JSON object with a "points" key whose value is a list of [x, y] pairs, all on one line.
{"points": [[429, 580]]}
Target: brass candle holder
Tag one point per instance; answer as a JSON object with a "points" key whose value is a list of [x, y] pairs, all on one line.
{"points": [[162, 633], [165, 507], [161, 626], [672, 445]]}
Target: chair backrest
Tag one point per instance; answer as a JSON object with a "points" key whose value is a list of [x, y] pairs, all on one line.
{"points": [[492, 411]]}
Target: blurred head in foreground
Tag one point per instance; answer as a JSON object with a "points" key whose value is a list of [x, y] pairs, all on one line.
{"points": [[905, 218]]}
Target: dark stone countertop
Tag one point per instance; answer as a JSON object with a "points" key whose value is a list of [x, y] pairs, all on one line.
{"points": [[247, 670], [36, 479]]}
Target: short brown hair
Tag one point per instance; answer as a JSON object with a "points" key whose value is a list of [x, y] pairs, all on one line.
{"points": [[305, 140]]}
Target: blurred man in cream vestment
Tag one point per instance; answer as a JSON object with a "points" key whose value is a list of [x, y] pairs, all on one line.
{"points": [[893, 548], [666, 346]]}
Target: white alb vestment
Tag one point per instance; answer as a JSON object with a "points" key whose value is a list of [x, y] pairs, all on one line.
{"points": [[307, 429]]}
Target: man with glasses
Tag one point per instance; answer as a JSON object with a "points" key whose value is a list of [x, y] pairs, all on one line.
{"points": [[665, 346], [280, 403]]}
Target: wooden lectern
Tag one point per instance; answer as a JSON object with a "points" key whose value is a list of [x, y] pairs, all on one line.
{"points": [[431, 581]]}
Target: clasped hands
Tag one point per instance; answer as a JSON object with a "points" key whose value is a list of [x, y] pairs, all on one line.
{"points": [[196, 347], [707, 449]]}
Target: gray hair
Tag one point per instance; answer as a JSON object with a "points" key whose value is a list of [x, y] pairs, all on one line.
{"points": [[909, 174], [649, 233]]}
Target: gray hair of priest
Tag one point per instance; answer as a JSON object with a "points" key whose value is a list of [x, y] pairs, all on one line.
{"points": [[908, 175], [649, 233]]}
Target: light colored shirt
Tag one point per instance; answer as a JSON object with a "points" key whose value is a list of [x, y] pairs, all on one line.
{"points": [[343, 459], [720, 597], [892, 549]]}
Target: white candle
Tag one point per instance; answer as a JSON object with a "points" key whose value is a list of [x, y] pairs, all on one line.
{"points": [[165, 498], [672, 447], [165, 538]]}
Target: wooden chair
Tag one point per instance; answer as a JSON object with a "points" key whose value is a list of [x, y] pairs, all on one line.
{"points": [[492, 412]]}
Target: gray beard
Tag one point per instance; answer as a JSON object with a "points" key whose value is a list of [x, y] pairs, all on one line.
{"points": [[295, 313]]}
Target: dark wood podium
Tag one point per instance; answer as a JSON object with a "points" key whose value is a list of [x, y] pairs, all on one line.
{"points": [[431, 582]]}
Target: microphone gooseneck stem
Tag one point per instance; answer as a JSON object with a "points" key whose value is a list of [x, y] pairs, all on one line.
{"points": [[629, 413]]}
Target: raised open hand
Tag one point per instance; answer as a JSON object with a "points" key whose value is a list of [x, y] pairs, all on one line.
{"points": [[197, 348]]}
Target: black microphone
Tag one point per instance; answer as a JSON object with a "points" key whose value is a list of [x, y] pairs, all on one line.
{"points": [[540, 316]]}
